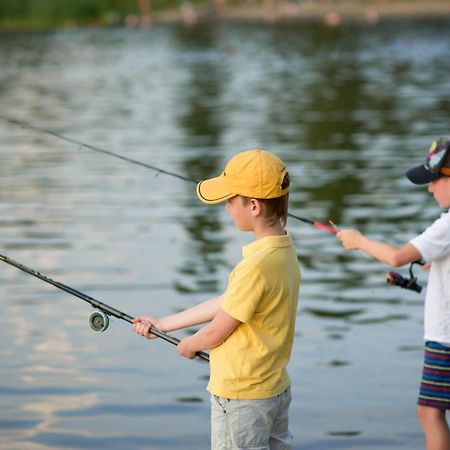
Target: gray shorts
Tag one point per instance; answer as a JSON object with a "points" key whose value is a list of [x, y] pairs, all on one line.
{"points": [[251, 424]]}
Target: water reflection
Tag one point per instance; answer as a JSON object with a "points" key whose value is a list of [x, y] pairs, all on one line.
{"points": [[201, 122]]}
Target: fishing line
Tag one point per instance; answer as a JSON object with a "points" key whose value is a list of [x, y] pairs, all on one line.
{"points": [[93, 148], [81, 144], [98, 320]]}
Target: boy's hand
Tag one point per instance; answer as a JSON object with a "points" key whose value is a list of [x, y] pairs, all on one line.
{"points": [[351, 239], [184, 349], [142, 325]]}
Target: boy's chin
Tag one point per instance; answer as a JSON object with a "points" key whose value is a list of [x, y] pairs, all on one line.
{"points": [[243, 229]]}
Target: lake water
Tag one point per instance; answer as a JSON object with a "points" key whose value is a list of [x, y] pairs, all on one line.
{"points": [[349, 109]]}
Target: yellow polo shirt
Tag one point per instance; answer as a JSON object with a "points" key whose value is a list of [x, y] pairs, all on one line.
{"points": [[262, 294]]}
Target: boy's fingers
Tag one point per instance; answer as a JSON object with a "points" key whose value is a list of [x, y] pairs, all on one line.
{"points": [[141, 328], [140, 319]]}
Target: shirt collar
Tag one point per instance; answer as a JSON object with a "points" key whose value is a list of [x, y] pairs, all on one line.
{"points": [[266, 243]]}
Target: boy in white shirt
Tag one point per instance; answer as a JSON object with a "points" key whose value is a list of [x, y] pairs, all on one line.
{"points": [[433, 246]]}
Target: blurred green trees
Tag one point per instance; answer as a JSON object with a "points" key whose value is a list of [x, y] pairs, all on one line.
{"points": [[42, 13]]}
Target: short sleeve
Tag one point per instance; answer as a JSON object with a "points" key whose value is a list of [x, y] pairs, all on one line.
{"points": [[434, 242], [244, 292]]}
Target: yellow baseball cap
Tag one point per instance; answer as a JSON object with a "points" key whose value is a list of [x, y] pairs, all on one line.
{"points": [[254, 173]]}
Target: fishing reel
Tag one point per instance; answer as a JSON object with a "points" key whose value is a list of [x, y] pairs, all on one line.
{"points": [[410, 283], [98, 321]]}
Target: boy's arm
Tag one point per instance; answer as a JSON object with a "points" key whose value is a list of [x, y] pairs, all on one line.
{"points": [[209, 336], [201, 313], [386, 253]]}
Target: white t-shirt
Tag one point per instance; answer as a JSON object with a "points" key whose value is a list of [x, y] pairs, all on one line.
{"points": [[434, 246]]}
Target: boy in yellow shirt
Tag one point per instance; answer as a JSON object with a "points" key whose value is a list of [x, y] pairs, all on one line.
{"points": [[251, 325]]}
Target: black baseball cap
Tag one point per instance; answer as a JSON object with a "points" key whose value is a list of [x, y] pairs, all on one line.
{"points": [[437, 164]]}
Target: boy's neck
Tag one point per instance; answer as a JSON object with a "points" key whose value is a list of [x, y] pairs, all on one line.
{"points": [[263, 230]]}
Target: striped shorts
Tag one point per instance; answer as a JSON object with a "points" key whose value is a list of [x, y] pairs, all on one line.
{"points": [[435, 386]]}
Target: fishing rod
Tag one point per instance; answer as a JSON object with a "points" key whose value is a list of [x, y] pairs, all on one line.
{"points": [[99, 319], [92, 147], [333, 229], [81, 144]]}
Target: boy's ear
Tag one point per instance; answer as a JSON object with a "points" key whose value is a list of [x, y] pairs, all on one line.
{"points": [[256, 207]]}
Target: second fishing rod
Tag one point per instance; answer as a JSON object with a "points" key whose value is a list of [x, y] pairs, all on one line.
{"points": [[99, 319], [80, 144]]}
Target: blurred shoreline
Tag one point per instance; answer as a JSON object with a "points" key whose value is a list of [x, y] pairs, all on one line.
{"points": [[331, 13], [191, 12]]}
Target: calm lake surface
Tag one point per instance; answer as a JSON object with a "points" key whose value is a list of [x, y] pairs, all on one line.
{"points": [[349, 110]]}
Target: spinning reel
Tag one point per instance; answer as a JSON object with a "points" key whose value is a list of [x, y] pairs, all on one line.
{"points": [[410, 283], [98, 320]]}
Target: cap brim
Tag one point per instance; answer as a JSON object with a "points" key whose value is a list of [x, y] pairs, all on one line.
{"points": [[420, 175], [213, 191]]}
